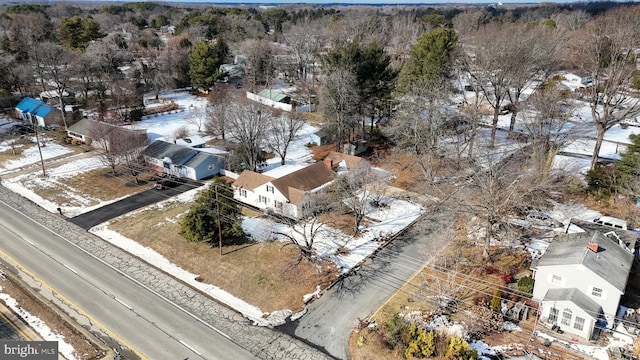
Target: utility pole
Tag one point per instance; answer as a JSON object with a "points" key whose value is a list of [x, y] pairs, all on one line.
{"points": [[215, 189], [35, 128]]}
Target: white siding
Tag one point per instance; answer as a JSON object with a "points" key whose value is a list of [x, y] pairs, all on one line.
{"points": [[577, 276], [575, 320]]}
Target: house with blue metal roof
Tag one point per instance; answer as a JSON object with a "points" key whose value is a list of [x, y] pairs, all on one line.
{"points": [[182, 161], [34, 111]]}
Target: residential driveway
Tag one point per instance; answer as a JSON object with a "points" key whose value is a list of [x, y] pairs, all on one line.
{"points": [[134, 202], [330, 319]]}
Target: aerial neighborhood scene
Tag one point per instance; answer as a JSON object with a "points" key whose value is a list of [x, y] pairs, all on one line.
{"points": [[319, 181]]}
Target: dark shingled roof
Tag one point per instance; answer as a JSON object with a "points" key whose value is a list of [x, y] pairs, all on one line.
{"points": [[611, 262], [305, 179], [575, 296], [160, 149]]}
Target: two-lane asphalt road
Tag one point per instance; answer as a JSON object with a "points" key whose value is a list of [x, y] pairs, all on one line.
{"points": [[123, 308]]}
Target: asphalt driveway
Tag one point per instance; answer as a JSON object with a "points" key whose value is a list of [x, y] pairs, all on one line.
{"points": [[330, 319], [134, 202]]}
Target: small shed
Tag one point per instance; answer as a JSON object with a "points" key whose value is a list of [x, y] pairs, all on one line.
{"points": [[275, 96], [355, 147], [319, 138]]}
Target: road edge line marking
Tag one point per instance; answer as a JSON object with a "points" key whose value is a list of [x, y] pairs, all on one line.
{"points": [[72, 304]]}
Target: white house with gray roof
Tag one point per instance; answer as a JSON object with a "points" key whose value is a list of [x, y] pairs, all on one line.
{"points": [[579, 282], [181, 161]]}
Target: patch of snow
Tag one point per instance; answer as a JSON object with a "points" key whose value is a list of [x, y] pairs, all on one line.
{"points": [[32, 156], [307, 297], [298, 315], [278, 317], [64, 348], [509, 326], [537, 247]]}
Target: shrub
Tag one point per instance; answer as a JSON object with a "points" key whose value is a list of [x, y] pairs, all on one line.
{"points": [[496, 301], [525, 285], [421, 343], [507, 279], [457, 348], [136, 114], [396, 334], [600, 181]]}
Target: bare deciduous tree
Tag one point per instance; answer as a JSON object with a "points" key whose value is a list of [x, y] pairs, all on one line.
{"points": [[303, 233], [419, 124], [354, 189], [248, 124], [219, 98], [490, 60], [55, 61], [538, 48], [198, 117], [548, 125], [339, 102], [304, 41], [260, 66], [130, 144], [571, 19], [104, 137], [498, 187], [283, 129], [606, 51]]}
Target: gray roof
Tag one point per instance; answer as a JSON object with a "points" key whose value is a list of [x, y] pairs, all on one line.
{"points": [[575, 296], [628, 237], [190, 141], [81, 127], [612, 263], [160, 149], [202, 158]]}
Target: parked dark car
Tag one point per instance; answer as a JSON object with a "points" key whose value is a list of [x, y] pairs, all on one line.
{"points": [[166, 183], [21, 129]]}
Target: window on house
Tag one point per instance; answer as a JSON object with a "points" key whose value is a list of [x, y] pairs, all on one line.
{"points": [[278, 204], [579, 324], [553, 315], [270, 188], [597, 292], [262, 199], [243, 192], [566, 317], [556, 279]]}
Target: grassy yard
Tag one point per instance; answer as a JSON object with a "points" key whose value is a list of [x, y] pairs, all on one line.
{"points": [[90, 188], [262, 274], [103, 185]]}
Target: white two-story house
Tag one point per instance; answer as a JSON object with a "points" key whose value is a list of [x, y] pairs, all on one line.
{"points": [[282, 195], [579, 281]]}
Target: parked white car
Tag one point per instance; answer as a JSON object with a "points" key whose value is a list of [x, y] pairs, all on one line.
{"points": [[539, 218], [611, 222]]}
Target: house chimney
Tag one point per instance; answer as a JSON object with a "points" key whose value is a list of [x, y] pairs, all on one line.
{"points": [[593, 247], [329, 163]]}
